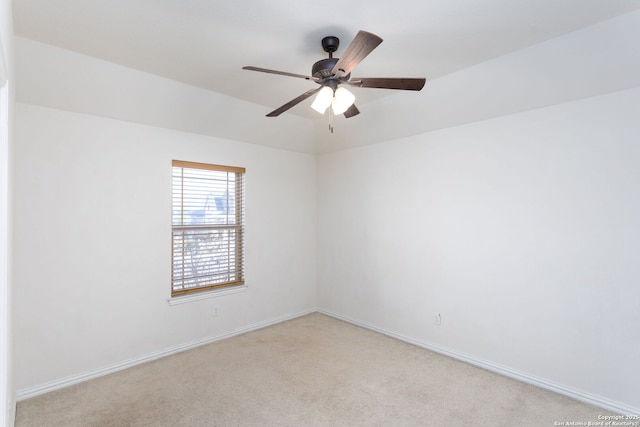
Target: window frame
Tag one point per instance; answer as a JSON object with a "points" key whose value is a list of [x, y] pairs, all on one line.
{"points": [[237, 225]]}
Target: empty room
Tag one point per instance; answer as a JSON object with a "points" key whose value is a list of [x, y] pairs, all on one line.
{"points": [[289, 213]]}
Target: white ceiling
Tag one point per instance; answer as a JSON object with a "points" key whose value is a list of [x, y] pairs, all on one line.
{"points": [[206, 42]]}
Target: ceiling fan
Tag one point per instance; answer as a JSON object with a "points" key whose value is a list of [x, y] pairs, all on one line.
{"points": [[331, 73]]}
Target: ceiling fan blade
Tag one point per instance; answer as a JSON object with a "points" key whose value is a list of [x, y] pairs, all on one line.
{"points": [[389, 83], [352, 111], [281, 73], [293, 102], [360, 47]]}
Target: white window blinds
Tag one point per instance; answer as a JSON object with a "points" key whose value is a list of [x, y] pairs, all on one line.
{"points": [[207, 227]]}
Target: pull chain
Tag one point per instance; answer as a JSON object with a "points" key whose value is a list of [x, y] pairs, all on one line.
{"points": [[330, 120]]}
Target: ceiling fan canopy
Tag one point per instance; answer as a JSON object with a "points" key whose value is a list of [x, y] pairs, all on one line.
{"points": [[332, 72]]}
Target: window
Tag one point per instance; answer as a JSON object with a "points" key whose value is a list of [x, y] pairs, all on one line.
{"points": [[207, 227]]}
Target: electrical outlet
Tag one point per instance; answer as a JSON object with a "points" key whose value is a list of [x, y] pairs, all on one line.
{"points": [[216, 310], [437, 319]]}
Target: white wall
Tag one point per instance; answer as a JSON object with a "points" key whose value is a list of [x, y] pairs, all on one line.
{"points": [[7, 395], [92, 243], [522, 231]]}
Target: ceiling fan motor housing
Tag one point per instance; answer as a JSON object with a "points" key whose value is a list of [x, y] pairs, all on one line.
{"points": [[322, 69]]}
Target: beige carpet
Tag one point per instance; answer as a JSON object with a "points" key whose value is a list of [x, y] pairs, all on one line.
{"points": [[310, 371]]}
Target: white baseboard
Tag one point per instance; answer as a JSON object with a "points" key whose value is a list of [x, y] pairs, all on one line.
{"points": [[76, 379], [610, 405]]}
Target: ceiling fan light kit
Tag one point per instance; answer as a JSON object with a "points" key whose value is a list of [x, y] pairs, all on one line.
{"points": [[332, 72], [342, 100], [323, 100]]}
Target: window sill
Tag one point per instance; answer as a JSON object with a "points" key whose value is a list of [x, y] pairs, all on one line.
{"points": [[206, 295]]}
